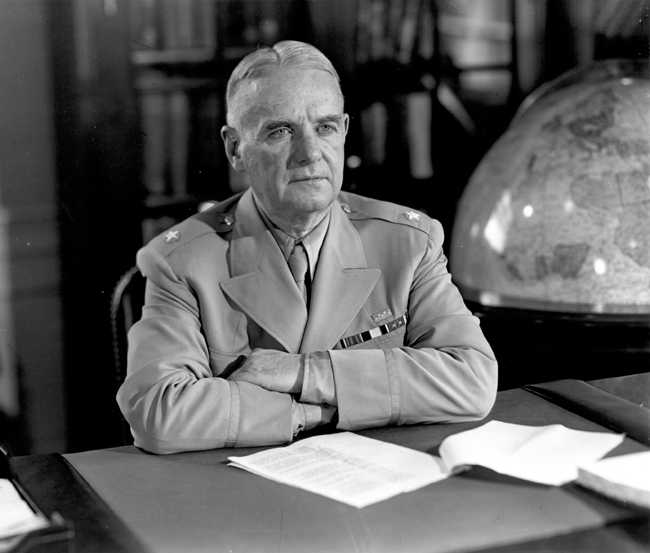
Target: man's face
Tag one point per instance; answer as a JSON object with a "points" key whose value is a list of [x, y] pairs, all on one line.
{"points": [[291, 130]]}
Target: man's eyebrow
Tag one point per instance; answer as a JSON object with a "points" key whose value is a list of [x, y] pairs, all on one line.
{"points": [[331, 119], [278, 124]]}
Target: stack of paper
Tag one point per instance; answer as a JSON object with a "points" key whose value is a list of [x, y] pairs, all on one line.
{"points": [[625, 478], [349, 468]]}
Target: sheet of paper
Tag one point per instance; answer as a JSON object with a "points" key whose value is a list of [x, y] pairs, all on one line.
{"points": [[346, 467], [544, 454], [16, 516]]}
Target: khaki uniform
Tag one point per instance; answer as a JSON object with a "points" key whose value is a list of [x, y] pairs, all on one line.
{"points": [[218, 287]]}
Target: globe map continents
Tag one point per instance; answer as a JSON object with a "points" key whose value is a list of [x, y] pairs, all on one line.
{"points": [[556, 216]]}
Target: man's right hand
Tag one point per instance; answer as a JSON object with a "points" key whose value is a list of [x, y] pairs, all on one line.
{"points": [[272, 370]]}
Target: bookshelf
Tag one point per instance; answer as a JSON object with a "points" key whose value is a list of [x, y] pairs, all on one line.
{"points": [[174, 57]]}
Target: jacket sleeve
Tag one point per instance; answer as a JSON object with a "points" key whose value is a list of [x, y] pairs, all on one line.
{"points": [[170, 397], [444, 372]]}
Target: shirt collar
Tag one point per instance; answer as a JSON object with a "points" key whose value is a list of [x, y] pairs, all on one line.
{"points": [[312, 241]]}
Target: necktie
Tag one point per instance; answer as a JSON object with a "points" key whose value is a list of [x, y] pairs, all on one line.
{"points": [[299, 266]]}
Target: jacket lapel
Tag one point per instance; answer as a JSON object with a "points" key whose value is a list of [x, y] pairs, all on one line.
{"points": [[261, 283], [341, 285]]}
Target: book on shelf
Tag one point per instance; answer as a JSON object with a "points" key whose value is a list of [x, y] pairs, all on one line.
{"points": [[179, 108], [166, 130], [408, 32], [154, 131], [418, 132]]}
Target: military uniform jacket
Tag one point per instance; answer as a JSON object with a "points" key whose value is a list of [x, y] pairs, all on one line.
{"points": [[219, 287]]}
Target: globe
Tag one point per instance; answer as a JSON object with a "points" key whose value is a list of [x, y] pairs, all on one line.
{"points": [[551, 242], [556, 217]]}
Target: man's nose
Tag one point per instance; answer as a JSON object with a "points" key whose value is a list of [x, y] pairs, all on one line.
{"points": [[306, 149]]}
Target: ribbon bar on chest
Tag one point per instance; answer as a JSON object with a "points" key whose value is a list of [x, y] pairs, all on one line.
{"points": [[373, 332]]}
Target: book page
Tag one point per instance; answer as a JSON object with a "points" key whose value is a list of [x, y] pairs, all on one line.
{"points": [[544, 454], [346, 467]]}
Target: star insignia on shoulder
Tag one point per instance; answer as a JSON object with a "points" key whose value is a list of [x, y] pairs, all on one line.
{"points": [[228, 219], [412, 215], [172, 236], [346, 208]]}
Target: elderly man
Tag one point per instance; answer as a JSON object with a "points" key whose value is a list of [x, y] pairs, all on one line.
{"points": [[295, 305]]}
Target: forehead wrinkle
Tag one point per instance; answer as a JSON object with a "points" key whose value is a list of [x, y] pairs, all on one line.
{"points": [[334, 118], [243, 108]]}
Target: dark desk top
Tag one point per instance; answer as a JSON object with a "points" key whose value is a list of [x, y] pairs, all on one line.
{"points": [[194, 502]]}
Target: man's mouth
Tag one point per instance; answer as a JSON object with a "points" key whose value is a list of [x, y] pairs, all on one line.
{"points": [[312, 178]]}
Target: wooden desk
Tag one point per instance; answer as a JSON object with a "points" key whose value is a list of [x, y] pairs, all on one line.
{"points": [[194, 502]]}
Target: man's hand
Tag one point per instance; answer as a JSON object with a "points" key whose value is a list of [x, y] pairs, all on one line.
{"points": [[273, 370]]}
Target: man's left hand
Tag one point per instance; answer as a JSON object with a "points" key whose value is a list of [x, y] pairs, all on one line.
{"points": [[273, 370]]}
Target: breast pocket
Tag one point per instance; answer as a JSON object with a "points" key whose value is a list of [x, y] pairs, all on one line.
{"points": [[394, 339], [389, 335]]}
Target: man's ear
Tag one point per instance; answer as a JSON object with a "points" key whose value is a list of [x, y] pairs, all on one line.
{"points": [[231, 143]]}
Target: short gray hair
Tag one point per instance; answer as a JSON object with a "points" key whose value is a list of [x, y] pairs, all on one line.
{"points": [[264, 61]]}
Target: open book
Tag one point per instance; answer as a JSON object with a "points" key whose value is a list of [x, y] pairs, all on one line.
{"points": [[360, 471], [544, 454]]}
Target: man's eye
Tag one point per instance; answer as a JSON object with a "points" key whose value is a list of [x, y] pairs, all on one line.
{"points": [[326, 128], [280, 133]]}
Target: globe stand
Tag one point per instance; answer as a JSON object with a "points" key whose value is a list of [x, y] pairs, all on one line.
{"points": [[535, 346]]}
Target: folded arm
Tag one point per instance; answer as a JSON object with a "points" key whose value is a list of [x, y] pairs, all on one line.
{"points": [[171, 397]]}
